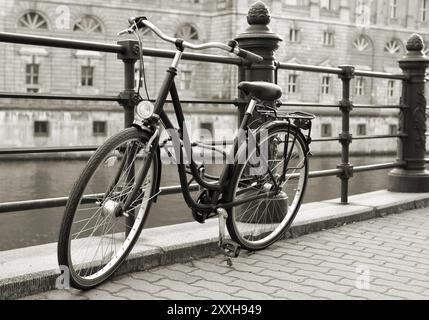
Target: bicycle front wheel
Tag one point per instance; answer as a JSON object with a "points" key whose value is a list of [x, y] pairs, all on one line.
{"points": [[96, 233], [278, 159]]}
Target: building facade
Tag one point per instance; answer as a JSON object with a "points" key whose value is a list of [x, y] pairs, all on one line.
{"points": [[369, 34]]}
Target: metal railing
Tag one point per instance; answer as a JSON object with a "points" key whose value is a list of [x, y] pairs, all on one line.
{"points": [[125, 51]]}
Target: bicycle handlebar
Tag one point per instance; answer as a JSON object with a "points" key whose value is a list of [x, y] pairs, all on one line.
{"points": [[142, 22]]}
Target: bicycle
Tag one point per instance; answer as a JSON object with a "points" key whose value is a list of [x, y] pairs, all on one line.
{"points": [[256, 198]]}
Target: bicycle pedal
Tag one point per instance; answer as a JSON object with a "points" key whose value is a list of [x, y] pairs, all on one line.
{"points": [[230, 249], [199, 217]]}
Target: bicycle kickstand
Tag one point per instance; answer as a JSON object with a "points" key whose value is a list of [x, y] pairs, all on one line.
{"points": [[228, 247]]}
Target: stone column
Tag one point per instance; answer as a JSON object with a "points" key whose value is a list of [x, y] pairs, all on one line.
{"points": [[260, 39], [413, 176]]}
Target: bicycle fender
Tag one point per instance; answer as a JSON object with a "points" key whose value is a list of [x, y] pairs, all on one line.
{"points": [[272, 124], [158, 157]]}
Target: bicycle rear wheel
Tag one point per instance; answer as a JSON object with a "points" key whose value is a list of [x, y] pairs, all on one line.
{"points": [[96, 235], [257, 224]]}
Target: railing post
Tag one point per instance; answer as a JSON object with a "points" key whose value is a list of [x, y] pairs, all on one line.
{"points": [[346, 138], [260, 39], [413, 176], [129, 98]]}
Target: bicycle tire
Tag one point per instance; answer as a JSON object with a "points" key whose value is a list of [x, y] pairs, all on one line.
{"points": [[236, 221], [133, 139]]}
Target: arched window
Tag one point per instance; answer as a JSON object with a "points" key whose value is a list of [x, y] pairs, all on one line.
{"points": [[32, 20], [187, 32], [88, 24], [393, 47], [362, 43]]}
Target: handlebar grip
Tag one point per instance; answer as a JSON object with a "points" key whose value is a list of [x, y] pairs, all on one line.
{"points": [[138, 21], [249, 56]]}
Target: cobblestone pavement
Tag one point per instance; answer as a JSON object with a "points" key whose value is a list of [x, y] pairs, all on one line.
{"points": [[385, 258]]}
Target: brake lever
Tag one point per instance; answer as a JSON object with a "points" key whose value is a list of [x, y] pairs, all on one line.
{"points": [[130, 29]]}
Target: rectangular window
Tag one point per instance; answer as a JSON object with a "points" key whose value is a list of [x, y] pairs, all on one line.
{"points": [[393, 129], [326, 130], [41, 128], [87, 75], [326, 85], [360, 87], [328, 38], [99, 128], [185, 80], [293, 35], [361, 130], [292, 85], [393, 9], [32, 76], [221, 4], [391, 89], [424, 10], [327, 4]]}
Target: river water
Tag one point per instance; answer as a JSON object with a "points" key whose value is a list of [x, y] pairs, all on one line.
{"points": [[37, 179]]}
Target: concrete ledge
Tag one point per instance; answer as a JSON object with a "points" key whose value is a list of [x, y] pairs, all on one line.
{"points": [[34, 269]]}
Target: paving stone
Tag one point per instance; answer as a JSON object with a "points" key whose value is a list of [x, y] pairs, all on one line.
{"points": [[185, 267], [291, 251], [254, 286], [176, 295], [291, 295], [212, 276], [317, 275], [293, 277], [176, 275], [292, 286], [147, 276], [406, 268], [97, 294], [214, 295], [398, 286], [140, 285], [333, 295], [113, 287], [244, 267], [214, 267], [253, 295], [178, 285], [326, 285], [248, 276], [407, 295], [216, 286], [371, 295]]}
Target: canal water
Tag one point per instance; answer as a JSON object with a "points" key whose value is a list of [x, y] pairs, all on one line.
{"points": [[37, 179]]}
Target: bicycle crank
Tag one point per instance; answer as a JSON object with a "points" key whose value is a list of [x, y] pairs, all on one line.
{"points": [[228, 247]]}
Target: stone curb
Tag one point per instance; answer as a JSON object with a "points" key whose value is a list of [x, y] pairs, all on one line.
{"points": [[316, 217]]}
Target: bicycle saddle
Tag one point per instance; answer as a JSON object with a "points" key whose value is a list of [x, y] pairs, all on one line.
{"points": [[261, 90]]}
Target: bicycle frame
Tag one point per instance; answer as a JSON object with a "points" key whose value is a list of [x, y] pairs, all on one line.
{"points": [[217, 188]]}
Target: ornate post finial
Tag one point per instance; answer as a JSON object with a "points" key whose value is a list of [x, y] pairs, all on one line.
{"points": [[258, 14], [415, 43]]}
